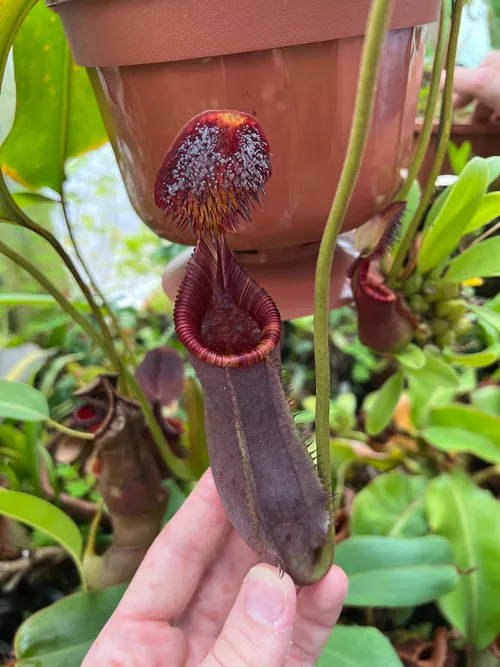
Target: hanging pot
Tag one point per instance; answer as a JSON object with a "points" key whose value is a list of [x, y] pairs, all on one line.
{"points": [[291, 63]]}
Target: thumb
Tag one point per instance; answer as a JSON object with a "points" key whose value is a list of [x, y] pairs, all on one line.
{"points": [[258, 630]]}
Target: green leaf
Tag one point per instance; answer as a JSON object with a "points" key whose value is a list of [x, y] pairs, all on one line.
{"points": [[20, 299], [493, 163], [459, 156], [392, 505], [487, 399], [40, 514], [7, 471], [353, 646], [470, 519], [20, 401], [50, 376], [195, 410], [396, 572], [441, 238], [485, 314], [26, 368], [436, 372], [469, 420], [384, 403], [477, 359], [436, 207], [62, 634], [56, 112], [412, 357], [12, 15], [478, 261], [451, 439], [488, 210]]}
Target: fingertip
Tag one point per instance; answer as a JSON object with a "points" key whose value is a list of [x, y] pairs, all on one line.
{"points": [[270, 597]]}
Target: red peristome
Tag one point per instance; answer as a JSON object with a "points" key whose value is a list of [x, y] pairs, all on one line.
{"points": [[88, 417], [221, 315], [214, 172]]}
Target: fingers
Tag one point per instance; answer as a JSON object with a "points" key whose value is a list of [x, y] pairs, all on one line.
{"points": [[258, 630], [318, 609], [203, 619], [481, 83], [171, 570]]}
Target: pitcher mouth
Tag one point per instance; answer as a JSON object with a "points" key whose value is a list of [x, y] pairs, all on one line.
{"points": [[221, 315]]}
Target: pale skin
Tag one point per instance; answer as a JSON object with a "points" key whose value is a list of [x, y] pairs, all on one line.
{"points": [[201, 599], [481, 84]]}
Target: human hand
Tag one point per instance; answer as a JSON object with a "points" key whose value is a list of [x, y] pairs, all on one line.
{"points": [[481, 84], [199, 599]]}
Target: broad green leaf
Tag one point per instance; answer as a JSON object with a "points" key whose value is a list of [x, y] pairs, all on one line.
{"points": [[452, 439], [21, 362], [477, 359], [392, 504], [436, 372], [62, 634], [20, 401], [12, 16], [470, 519], [469, 420], [396, 572], [10, 299], [441, 238], [487, 399], [486, 314], [478, 261], [27, 367], [56, 112], [493, 163], [353, 646], [40, 514], [436, 207], [383, 405], [412, 357], [488, 210]]}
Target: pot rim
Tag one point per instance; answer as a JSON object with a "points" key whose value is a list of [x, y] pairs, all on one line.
{"points": [[465, 127], [153, 31]]}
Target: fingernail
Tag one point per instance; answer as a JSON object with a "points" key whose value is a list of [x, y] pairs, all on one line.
{"points": [[265, 596]]}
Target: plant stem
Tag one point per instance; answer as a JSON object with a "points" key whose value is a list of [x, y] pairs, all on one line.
{"points": [[25, 221], [49, 286], [426, 131], [374, 41], [442, 145], [93, 285], [69, 431], [177, 466], [486, 234]]}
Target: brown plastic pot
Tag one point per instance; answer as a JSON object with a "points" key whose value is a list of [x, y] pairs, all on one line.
{"points": [[291, 63], [483, 137]]}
